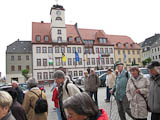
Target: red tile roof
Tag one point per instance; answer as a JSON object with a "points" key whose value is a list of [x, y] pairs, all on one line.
{"points": [[114, 39]]}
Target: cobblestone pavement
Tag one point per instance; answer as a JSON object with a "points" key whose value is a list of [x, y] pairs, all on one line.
{"points": [[113, 115]]}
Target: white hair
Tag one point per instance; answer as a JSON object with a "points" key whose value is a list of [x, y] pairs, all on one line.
{"points": [[15, 82], [5, 99]]}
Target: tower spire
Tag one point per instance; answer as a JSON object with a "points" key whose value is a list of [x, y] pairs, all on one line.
{"points": [[56, 2]]}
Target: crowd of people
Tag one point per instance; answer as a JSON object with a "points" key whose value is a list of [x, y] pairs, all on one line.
{"points": [[135, 95]]}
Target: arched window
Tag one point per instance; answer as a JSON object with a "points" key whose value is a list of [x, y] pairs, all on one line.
{"points": [[59, 39]]}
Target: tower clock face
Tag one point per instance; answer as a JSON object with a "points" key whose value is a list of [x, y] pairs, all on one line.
{"points": [[58, 12]]}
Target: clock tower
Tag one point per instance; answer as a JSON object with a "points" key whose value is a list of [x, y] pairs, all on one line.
{"points": [[58, 27]]}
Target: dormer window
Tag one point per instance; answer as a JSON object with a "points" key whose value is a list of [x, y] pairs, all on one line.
{"points": [[58, 18], [59, 39], [126, 45], [38, 38], [119, 44], [77, 39], [102, 40], [46, 38], [69, 39]]}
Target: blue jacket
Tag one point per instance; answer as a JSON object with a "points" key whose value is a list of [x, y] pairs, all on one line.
{"points": [[120, 85]]}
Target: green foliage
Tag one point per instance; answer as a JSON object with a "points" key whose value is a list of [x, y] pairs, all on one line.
{"points": [[146, 61], [25, 73]]}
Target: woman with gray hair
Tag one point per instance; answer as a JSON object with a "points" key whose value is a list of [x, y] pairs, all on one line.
{"points": [[82, 107], [137, 92], [30, 100], [5, 104]]}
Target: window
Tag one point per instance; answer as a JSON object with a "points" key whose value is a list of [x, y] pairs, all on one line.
{"points": [[88, 61], [128, 52], [86, 50], [80, 61], [93, 61], [138, 52], [46, 38], [75, 73], [78, 39], [73, 50], [119, 59], [98, 62], [19, 68], [62, 49], [44, 62], [27, 57], [27, 67], [102, 40], [90, 50], [153, 57], [63, 63], [68, 50], [12, 58], [159, 56], [80, 73], [50, 75], [156, 57], [50, 50], [12, 68], [111, 61], [58, 18], [59, 39], [155, 49], [88, 41], [70, 39], [126, 45], [107, 60], [101, 50], [58, 60], [38, 49], [79, 49], [124, 52], [133, 52], [119, 52], [119, 44], [59, 32], [39, 75], [139, 60], [45, 75], [74, 61], [110, 50], [102, 61], [69, 61], [38, 62], [158, 49], [106, 50], [56, 49], [38, 38], [19, 57], [97, 49], [129, 60], [44, 50]]}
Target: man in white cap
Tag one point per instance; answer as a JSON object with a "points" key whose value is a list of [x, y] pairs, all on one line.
{"points": [[20, 95]]}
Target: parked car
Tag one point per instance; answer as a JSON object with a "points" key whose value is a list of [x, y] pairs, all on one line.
{"points": [[102, 78], [5, 87], [145, 72], [80, 80], [100, 72], [75, 79]]}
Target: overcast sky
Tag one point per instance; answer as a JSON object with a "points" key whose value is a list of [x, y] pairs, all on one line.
{"points": [[138, 19]]}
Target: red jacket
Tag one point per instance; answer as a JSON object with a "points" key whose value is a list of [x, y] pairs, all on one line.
{"points": [[55, 97], [103, 116]]}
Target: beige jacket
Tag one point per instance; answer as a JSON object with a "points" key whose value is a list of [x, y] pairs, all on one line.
{"points": [[30, 100], [137, 103], [111, 80]]}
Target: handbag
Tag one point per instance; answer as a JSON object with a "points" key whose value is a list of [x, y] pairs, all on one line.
{"points": [[148, 109]]}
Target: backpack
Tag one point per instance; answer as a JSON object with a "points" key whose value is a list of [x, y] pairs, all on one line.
{"points": [[41, 105], [80, 89]]}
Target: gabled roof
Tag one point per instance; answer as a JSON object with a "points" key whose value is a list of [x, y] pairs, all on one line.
{"points": [[20, 47], [151, 40], [115, 39]]}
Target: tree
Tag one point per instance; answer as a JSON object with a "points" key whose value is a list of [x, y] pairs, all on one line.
{"points": [[25, 74], [146, 61]]}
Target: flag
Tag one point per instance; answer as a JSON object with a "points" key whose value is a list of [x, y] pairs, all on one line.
{"points": [[99, 55], [50, 61], [124, 57], [76, 57], [64, 59]]}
